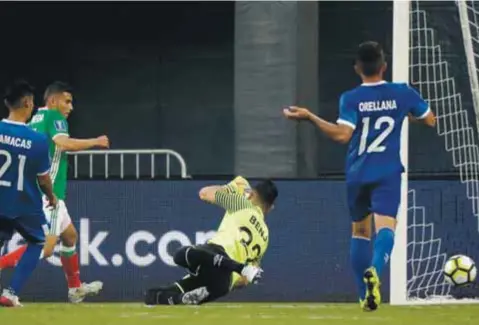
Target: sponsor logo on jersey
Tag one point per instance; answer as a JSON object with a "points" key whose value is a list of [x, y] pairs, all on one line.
{"points": [[37, 119], [60, 126], [217, 260]]}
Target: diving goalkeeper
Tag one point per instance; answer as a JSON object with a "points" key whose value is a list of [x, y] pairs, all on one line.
{"points": [[231, 258]]}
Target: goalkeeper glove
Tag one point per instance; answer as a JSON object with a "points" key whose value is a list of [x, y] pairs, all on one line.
{"points": [[240, 186]]}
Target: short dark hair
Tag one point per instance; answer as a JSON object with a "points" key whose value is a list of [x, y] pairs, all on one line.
{"points": [[15, 92], [370, 58], [267, 192], [57, 87]]}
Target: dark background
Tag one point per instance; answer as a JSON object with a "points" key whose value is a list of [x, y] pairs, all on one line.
{"points": [[150, 75], [161, 75]]}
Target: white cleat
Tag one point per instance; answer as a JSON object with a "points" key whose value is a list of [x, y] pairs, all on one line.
{"points": [[77, 295], [8, 299], [252, 273], [195, 297]]}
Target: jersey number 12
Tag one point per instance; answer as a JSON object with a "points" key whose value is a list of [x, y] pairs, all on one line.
{"points": [[377, 144], [6, 165]]}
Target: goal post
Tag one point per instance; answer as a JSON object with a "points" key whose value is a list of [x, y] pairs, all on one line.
{"points": [[464, 8], [424, 241], [400, 73]]}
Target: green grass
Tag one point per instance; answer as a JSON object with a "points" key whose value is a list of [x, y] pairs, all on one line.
{"points": [[232, 314]]}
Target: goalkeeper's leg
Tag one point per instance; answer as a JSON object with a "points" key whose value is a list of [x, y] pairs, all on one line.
{"points": [[209, 285], [213, 256], [179, 293], [169, 295]]}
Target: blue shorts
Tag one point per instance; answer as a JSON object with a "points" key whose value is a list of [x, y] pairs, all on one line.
{"points": [[381, 197], [32, 228]]}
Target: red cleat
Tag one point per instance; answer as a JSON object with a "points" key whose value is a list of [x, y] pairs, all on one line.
{"points": [[9, 300], [5, 302]]}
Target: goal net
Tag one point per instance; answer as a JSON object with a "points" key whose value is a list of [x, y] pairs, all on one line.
{"points": [[436, 232]]}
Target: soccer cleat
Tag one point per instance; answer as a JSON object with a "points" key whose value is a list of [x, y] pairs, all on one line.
{"points": [[77, 295], [252, 273], [373, 294], [8, 299], [195, 297], [363, 306]]}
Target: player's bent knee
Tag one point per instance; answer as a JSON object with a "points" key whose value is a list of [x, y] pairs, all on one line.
{"points": [[362, 228], [382, 221], [361, 233], [180, 257], [46, 254], [69, 236], [69, 241]]}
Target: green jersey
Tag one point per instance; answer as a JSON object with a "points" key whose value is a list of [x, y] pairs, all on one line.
{"points": [[52, 123]]}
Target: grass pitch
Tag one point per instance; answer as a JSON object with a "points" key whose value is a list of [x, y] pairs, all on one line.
{"points": [[232, 314]]}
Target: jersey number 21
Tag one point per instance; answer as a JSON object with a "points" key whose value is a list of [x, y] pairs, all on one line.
{"points": [[6, 165], [377, 144]]}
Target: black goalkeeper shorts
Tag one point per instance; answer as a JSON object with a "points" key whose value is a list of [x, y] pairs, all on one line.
{"points": [[217, 281]]}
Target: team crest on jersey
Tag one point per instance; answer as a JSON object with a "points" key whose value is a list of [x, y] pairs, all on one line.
{"points": [[60, 126]]}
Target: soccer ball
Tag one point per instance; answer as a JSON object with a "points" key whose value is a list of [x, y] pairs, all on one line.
{"points": [[460, 270]]}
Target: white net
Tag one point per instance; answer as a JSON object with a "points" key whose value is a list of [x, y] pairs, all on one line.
{"points": [[430, 74], [425, 259]]}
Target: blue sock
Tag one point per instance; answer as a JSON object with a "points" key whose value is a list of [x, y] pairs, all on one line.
{"points": [[360, 260], [383, 245], [25, 267]]}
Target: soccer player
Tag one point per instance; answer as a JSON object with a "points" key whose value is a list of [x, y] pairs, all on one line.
{"points": [[231, 258], [370, 119], [51, 121], [24, 167]]}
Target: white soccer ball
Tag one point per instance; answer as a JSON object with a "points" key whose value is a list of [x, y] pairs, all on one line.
{"points": [[460, 270]]}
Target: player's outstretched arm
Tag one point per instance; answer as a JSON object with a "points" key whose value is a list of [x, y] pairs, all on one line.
{"points": [[45, 184], [230, 197], [65, 143], [239, 185], [338, 132], [429, 119], [208, 193], [420, 110]]}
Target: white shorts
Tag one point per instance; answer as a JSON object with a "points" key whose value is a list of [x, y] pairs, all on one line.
{"points": [[58, 219]]}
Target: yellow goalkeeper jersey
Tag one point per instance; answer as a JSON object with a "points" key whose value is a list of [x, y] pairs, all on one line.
{"points": [[242, 233]]}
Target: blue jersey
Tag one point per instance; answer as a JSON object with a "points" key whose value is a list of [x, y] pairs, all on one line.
{"points": [[376, 112], [23, 156]]}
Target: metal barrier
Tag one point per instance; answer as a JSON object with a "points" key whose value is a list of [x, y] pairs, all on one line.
{"points": [[137, 153]]}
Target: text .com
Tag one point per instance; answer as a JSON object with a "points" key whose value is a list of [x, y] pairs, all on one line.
{"points": [[90, 246]]}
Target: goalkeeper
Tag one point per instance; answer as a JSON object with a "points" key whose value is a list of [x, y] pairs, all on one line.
{"points": [[231, 258]]}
